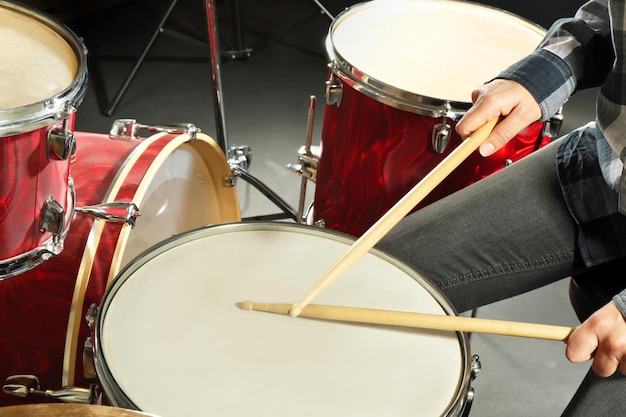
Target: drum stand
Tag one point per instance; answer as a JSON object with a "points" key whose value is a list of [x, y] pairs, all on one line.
{"points": [[239, 158]]}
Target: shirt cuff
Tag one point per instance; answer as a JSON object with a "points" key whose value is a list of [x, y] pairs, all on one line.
{"points": [[547, 77], [620, 300]]}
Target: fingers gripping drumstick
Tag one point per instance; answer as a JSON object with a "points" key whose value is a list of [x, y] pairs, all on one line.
{"points": [[396, 213]]}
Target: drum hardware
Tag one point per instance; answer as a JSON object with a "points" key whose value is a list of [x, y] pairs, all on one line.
{"points": [[440, 135], [52, 219], [61, 143], [308, 162], [239, 160], [334, 90], [288, 211], [324, 10], [127, 129], [115, 212], [26, 385], [240, 156]]}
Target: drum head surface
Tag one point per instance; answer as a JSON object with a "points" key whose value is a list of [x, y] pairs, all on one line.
{"points": [[37, 63], [438, 49], [171, 340]]}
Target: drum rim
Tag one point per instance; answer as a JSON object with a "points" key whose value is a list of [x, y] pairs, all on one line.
{"points": [[39, 114], [393, 96], [119, 398]]}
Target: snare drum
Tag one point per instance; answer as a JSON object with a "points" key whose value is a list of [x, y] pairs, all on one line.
{"points": [[44, 77], [401, 76], [170, 339], [177, 185]]}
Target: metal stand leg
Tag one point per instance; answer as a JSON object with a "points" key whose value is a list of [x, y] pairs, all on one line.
{"points": [[239, 51], [214, 46], [131, 75], [324, 10]]}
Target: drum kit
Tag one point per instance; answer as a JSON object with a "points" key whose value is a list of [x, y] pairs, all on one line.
{"points": [[116, 295]]}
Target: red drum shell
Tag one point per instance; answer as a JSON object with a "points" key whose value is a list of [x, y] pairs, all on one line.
{"points": [[42, 324], [44, 80], [391, 83], [373, 154]]}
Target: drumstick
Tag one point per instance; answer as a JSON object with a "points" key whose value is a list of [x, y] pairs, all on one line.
{"points": [[396, 213], [419, 320]]}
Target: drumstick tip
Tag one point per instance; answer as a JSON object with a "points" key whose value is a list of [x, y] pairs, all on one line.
{"points": [[245, 305], [295, 310]]}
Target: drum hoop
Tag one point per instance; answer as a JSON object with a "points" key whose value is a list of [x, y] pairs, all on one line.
{"points": [[394, 96], [37, 115], [172, 142], [121, 399]]}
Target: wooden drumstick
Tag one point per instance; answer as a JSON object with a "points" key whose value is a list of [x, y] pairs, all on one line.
{"points": [[396, 213], [420, 320]]}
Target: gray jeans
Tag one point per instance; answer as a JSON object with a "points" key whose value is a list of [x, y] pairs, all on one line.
{"points": [[502, 236]]}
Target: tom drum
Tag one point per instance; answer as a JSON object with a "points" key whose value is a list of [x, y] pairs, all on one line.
{"points": [[401, 75], [44, 77]]}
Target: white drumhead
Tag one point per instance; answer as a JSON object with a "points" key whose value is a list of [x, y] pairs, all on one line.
{"points": [[37, 63], [433, 48], [172, 340]]}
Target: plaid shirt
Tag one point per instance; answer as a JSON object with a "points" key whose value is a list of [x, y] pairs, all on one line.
{"points": [[585, 51]]}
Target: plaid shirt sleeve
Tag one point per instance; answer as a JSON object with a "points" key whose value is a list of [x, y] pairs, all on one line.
{"points": [[576, 53], [584, 51]]}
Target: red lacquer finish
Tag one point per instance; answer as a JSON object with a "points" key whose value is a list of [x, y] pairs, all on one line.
{"points": [[373, 154], [36, 304], [28, 179], [42, 325]]}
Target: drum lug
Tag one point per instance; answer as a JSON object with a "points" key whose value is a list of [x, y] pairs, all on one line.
{"points": [[24, 385], [61, 144], [114, 212], [475, 366], [334, 91], [307, 162], [239, 159], [52, 217], [440, 136], [127, 129], [240, 156]]}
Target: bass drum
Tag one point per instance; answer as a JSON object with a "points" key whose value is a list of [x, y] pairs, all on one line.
{"points": [[177, 185], [170, 339]]}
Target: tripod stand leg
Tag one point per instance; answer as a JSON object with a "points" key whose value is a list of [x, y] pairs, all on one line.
{"points": [[131, 75]]}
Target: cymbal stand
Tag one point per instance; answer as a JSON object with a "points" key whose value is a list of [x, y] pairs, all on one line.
{"points": [[324, 10], [239, 158], [220, 122]]}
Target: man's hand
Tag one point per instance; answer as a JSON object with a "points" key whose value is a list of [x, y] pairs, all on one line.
{"points": [[500, 97], [603, 338]]}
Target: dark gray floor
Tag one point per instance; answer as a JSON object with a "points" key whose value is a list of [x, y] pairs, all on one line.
{"points": [[266, 101]]}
